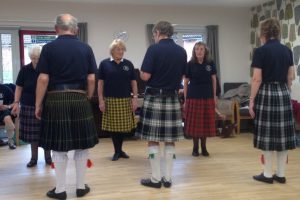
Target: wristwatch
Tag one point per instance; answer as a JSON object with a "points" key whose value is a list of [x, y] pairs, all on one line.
{"points": [[9, 106]]}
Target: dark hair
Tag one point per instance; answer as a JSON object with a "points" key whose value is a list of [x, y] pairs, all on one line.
{"points": [[270, 28], [206, 55], [164, 28]]}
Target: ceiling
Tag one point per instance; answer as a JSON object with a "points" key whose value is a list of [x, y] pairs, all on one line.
{"points": [[221, 3]]}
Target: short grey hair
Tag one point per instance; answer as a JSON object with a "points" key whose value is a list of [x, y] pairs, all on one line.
{"points": [[116, 43], [34, 51], [164, 28], [66, 22]]}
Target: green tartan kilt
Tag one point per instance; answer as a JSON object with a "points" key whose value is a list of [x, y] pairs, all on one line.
{"points": [[67, 122], [118, 115]]}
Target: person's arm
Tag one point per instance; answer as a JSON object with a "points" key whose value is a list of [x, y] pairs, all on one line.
{"points": [[290, 76], [145, 76], [256, 81], [41, 88], [185, 87], [135, 95], [214, 84], [100, 95], [15, 104], [91, 81]]}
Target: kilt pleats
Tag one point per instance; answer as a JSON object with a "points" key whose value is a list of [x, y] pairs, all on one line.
{"points": [[67, 122], [200, 118], [30, 126], [118, 115], [274, 128], [160, 119]]}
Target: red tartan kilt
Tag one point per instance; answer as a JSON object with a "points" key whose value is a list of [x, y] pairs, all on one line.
{"points": [[200, 118]]}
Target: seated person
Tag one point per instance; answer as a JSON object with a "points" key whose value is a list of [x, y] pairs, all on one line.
{"points": [[6, 101]]}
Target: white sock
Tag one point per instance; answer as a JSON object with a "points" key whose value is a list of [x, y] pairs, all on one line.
{"points": [[268, 163], [80, 157], [60, 160], [169, 158], [281, 163], [154, 157]]}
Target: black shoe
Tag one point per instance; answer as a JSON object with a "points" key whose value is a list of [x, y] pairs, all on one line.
{"points": [[31, 163], [123, 155], [279, 179], [53, 195], [262, 178], [195, 154], [12, 146], [147, 182], [3, 143], [115, 157], [205, 153], [167, 184], [48, 161], [82, 192]]}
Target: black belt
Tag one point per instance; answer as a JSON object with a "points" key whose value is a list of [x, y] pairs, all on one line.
{"points": [[67, 86], [160, 92]]}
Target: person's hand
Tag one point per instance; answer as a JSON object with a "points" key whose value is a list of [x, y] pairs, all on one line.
{"points": [[251, 109], [15, 109], [3, 107], [133, 104], [38, 113], [102, 105]]}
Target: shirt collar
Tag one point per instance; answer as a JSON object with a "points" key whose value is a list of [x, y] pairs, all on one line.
{"points": [[111, 59]]}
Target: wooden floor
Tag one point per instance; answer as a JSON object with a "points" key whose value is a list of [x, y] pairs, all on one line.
{"points": [[225, 175]]}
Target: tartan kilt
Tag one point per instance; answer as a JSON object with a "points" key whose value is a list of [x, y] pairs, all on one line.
{"points": [[118, 116], [160, 119], [67, 122], [30, 126], [274, 128], [200, 118]]}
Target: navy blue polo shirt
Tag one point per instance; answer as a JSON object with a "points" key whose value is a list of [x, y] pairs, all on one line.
{"points": [[274, 59], [200, 75], [166, 62], [67, 60], [27, 79], [117, 77]]}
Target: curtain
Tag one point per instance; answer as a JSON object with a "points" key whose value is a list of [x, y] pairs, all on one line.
{"points": [[149, 28], [213, 45], [82, 32]]}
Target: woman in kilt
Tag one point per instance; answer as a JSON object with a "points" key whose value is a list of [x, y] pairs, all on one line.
{"points": [[161, 121], [25, 95], [116, 81], [270, 101], [200, 95]]}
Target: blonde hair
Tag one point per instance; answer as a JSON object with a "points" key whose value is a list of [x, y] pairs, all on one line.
{"points": [[270, 28], [116, 43]]}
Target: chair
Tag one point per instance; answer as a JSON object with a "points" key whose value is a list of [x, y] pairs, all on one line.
{"points": [[227, 108]]}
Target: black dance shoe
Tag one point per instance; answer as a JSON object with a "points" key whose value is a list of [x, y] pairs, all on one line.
{"points": [[12, 146], [60, 196], [32, 163], [195, 153], [123, 155], [262, 178], [167, 184], [279, 179], [83, 192], [115, 157], [147, 182], [48, 161]]}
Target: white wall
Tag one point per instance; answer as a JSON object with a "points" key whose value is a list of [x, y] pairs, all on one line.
{"points": [[104, 20]]}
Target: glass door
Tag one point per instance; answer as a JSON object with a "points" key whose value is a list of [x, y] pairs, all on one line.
{"points": [[9, 55]]}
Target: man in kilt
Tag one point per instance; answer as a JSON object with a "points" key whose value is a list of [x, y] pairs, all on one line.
{"points": [[67, 70], [161, 121], [270, 101]]}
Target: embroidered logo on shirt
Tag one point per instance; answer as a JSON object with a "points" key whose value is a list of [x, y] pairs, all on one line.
{"points": [[125, 68], [208, 68]]}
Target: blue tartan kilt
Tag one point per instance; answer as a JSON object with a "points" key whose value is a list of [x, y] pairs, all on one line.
{"points": [[67, 122], [160, 119], [274, 128], [30, 126]]}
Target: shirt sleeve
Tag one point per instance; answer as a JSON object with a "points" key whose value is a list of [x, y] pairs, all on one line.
{"points": [[43, 64], [148, 62], [101, 74], [92, 68], [257, 60], [20, 79], [188, 70], [291, 59], [214, 69], [132, 74]]}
